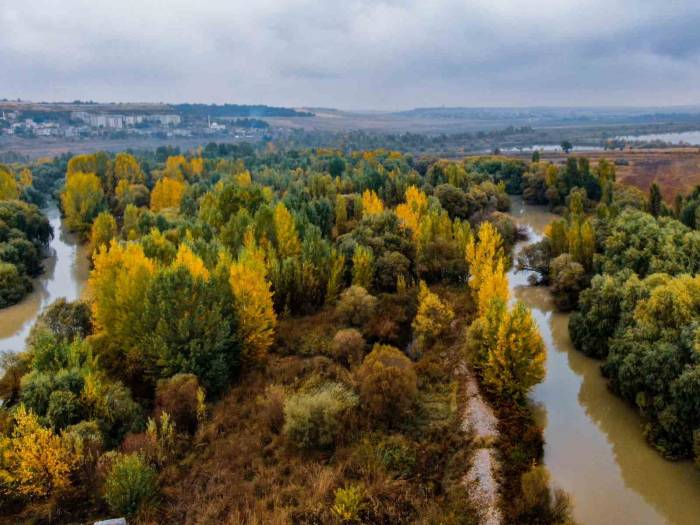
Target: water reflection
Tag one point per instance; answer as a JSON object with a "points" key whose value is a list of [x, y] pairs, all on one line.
{"points": [[67, 270], [595, 446]]}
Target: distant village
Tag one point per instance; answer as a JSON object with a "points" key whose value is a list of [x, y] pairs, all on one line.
{"points": [[34, 121]]}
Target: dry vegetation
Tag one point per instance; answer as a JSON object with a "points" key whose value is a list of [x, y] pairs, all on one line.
{"points": [[242, 469]]}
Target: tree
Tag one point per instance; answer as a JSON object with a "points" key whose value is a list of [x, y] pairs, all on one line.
{"points": [[484, 255], [253, 300], [568, 279], [127, 168], [411, 212], [371, 204], [517, 362], [118, 285], [433, 317], [288, 244], [8, 186], [187, 259], [362, 267], [388, 384], [167, 193], [655, 200], [81, 200], [189, 324], [104, 229], [566, 146]]}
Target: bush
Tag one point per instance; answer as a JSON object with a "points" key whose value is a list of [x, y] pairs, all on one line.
{"points": [[356, 306], [314, 419], [568, 278], [272, 407], [64, 409], [388, 383], [178, 397], [65, 321], [536, 504], [348, 346], [349, 503], [13, 285], [130, 485]]}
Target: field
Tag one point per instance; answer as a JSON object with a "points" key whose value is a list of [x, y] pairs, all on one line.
{"points": [[675, 170]]}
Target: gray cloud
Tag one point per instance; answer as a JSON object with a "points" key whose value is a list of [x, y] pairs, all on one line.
{"points": [[354, 53]]}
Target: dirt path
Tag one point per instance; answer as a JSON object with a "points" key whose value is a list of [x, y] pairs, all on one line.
{"points": [[479, 420]]}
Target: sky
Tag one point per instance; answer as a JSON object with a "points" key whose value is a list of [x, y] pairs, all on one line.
{"points": [[353, 54]]}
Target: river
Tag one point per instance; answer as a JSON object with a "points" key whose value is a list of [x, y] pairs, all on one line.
{"points": [[66, 271], [594, 445]]}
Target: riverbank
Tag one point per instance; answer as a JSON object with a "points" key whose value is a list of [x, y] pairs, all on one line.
{"points": [[65, 273]]}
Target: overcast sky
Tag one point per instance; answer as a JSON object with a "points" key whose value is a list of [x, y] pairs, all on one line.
{"points": [[354, 54]]}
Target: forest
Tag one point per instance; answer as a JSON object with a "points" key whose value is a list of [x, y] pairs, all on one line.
{"points": [[275, 335]]}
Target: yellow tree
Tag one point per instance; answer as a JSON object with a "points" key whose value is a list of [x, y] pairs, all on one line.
{"points": [[253, 300], [175, 167], [484, 254], [25, 177], [341, 215], [187, 259], [8, 186], [362, 267], [81, 199], [167, 193], [413, 209], [117, 287], [104, 229], [36, 462], [371, 204], [517, 361], [288, 244], [433, 317], [127, 168]]}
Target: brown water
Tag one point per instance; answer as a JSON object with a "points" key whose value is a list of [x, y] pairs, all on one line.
{"points": [[594, 445], [67, 270]]}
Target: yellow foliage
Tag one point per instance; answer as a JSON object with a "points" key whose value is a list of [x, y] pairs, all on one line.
{"points": [[167, 193], [25, 177], [175, 167], [494, 285], [371, 204], [288, 244], [486, 266], [117, 287], [517, 361], [433, 317], [104, 229], [243, 179], [253, 300], [127, 168], [411, 212], [36, 462], [81, 199], [8, 186], [363, 267], [187, 259]]}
